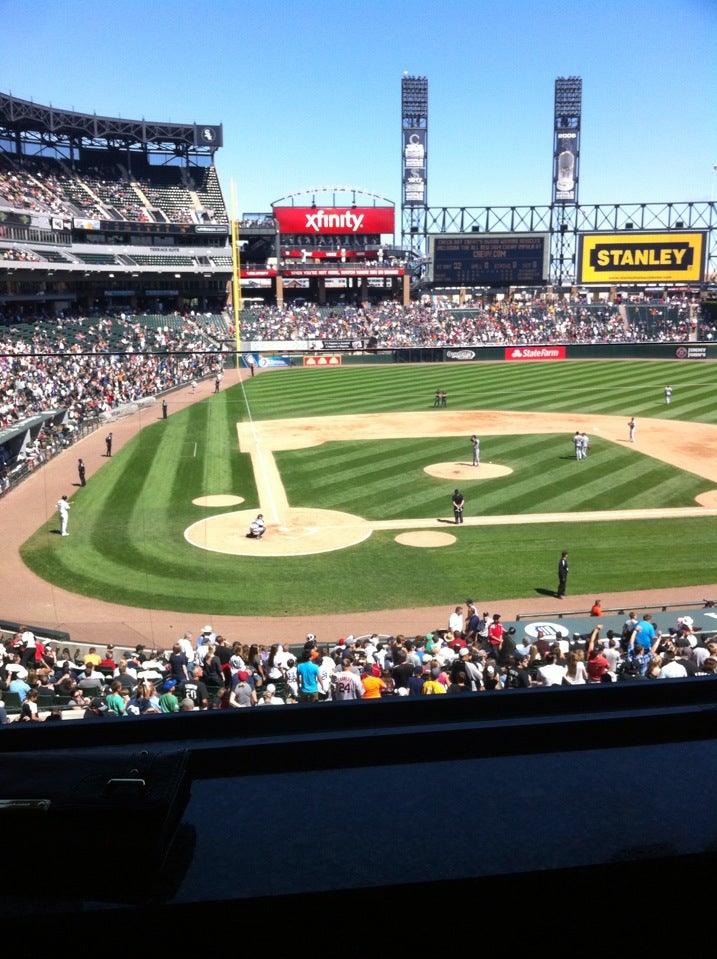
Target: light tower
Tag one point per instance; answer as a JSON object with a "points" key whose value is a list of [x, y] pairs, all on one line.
{"points": [[414, 159]]}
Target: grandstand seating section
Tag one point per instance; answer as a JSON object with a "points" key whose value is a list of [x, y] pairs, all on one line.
{"points": [[97, 259], [164, 195]]}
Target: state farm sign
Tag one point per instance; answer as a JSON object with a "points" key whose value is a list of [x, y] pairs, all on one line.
{"points": [[535, 353], [328, 221]]}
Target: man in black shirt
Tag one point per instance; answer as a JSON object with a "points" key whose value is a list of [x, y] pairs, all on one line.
{"points": [[402, 670], [563, 570], [458, 504], [517, 675], [196, 690]]}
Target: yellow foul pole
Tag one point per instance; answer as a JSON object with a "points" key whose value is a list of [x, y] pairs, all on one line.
{"points": [[236, 275]]}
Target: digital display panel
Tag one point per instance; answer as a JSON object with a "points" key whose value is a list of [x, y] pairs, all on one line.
{"points": [[483, 259]]}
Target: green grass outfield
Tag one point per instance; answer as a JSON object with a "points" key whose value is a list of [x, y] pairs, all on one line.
{"points": [[128, 546]]}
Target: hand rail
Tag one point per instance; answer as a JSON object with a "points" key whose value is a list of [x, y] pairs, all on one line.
{"points": [[620, 610]]}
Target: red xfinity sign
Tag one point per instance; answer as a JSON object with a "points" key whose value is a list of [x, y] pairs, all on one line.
{"points": [[535, 353], [329, 221]]}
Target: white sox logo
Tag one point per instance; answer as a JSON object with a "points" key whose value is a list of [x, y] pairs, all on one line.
{"points": [[551, 631], [323, 220]]}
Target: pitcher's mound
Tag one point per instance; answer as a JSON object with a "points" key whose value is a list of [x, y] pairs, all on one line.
{"points": [[219, 500], [466, 471], [300, 532], [425, 538]]}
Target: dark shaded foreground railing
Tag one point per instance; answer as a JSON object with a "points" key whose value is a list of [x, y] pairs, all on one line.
{"points": [[368, 808]]}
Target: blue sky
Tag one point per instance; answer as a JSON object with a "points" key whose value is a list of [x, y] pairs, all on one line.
{"points": [[309, 93]]}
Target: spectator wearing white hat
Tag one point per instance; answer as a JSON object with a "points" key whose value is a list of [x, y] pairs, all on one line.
{"points": [[205, 639], [471, 668], [269, 697]]}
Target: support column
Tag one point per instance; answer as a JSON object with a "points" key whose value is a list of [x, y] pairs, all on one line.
{"points": [[406, 290]]}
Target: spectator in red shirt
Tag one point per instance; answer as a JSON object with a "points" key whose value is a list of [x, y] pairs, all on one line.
{"points": [[495, 635], [597, 665]]}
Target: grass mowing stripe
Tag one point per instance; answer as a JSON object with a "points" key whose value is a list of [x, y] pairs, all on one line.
{"points": [[157, 568]]}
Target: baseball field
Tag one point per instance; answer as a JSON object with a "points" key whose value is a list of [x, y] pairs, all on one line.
{"points": [[353, 469]]}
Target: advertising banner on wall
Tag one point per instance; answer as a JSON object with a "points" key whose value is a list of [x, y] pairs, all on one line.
{"points": [[565, 165], [333, 221], [322, 361], [414, 166], [616, 258], [527, 353]]}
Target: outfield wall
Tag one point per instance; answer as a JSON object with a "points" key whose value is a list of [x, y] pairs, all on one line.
{"points": [[296, 354]]}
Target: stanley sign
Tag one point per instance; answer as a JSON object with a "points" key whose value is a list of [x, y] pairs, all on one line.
{"points": [[641, 258]]}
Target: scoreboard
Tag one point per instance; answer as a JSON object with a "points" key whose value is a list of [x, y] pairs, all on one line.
{"points": [[489, 259]]}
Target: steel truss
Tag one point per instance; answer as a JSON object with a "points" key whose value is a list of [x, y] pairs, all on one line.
{"points": [[564, 223], [47, 129]]}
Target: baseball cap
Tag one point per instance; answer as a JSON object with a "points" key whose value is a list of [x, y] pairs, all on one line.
{"points": [[170, 684], [464, 651]]}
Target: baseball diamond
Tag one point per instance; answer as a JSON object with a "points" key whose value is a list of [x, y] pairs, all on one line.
{"points": [[403, 543]]}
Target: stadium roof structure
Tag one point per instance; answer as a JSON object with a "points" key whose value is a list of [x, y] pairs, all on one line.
{"points": [[335, 192], [26, 126]]}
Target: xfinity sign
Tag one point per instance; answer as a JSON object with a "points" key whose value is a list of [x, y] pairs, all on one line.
{"points": [[348, 221], [336, 221]]}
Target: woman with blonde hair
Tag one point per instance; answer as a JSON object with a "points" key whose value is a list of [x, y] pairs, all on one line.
{"points": [[115, 700], [212, 666], [576, 673]]}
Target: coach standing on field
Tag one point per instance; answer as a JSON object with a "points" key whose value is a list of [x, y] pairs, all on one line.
{"points": [[563, 570], [458, 504]]}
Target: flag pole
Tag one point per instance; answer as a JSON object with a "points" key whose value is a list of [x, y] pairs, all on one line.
{"points": [[236, 275]]}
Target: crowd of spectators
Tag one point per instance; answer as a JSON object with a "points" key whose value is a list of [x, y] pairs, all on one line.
{"points": [[90, 366], [390, 325], [19, 255], [42, 185], [211, 672]]}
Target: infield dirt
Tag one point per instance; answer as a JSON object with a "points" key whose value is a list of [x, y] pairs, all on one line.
{"points": [[294, 531]]}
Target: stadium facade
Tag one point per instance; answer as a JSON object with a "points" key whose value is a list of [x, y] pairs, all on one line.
{"points": [[109, 215]]}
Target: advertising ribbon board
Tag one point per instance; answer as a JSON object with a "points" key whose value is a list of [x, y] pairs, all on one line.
{"points": [[641, 258]]}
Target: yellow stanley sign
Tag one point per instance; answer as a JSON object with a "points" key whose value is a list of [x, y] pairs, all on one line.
{"points": [[641, 257]]}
